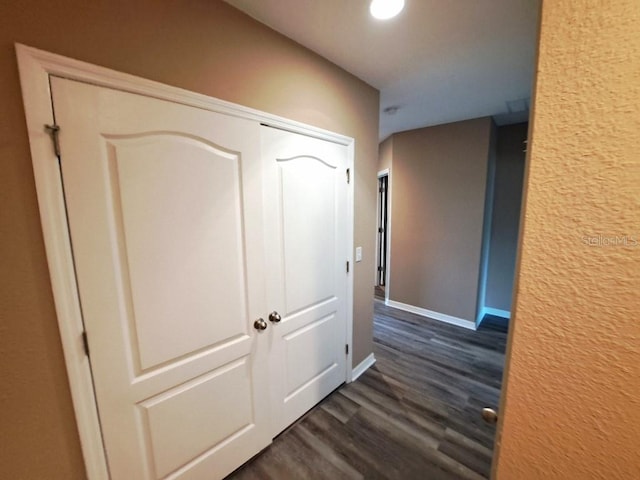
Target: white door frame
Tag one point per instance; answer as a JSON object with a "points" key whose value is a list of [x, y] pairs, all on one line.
{"points": [[35, 67], [382, 173]]}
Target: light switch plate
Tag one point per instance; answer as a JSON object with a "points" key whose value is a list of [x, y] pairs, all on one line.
{"points": [[358, 254]]}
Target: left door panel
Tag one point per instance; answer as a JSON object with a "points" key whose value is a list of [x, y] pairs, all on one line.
{"points": [[164, 211]]}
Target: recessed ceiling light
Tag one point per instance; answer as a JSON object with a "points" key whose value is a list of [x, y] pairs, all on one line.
{"points": [[385, 9]]}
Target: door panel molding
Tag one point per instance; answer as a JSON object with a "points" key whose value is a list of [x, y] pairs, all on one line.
{"points": [[35, 69], [306, 249]]}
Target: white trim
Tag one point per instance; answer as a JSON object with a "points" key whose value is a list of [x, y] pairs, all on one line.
{"points": [[350, 246], [381, 173], [443, 317], [387, 279], [35, 67], [363, 366], [497, 312], [34, 78], [57, 65]]}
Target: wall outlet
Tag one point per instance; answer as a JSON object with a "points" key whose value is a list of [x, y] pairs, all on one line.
{"points": [[358, 254]]}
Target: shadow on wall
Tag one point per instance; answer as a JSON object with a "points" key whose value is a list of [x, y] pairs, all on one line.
{"points": [[505, 219]]}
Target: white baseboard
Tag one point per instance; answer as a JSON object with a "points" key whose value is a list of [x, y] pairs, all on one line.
{"points": [[362, 367], [443, 317], [497, 312]]}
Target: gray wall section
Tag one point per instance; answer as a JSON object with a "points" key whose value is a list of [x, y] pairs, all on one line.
{"points": [[509, 174], [439, 259], [438, 196]]}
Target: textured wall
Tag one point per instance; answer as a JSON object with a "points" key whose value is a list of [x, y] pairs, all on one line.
{"points": [[201, 45], [572, 399], [507, 194], [437, 210]]}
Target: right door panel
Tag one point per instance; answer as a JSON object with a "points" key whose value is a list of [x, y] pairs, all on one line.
{"points": [[306, 244]]}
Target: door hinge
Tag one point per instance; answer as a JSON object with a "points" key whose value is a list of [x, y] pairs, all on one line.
{"points": [[54, 131], [346, 349], [379, 269], [348, 175], [380, 230], [347, 266], [85, 343]]}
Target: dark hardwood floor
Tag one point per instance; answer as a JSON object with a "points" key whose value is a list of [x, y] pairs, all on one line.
{"points": [[414, 415]]}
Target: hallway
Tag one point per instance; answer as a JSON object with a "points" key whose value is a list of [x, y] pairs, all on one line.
{"points": [[414, 415]]}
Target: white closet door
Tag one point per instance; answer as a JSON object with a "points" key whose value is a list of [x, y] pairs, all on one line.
{"points": [[164, 208], [305, 210]]}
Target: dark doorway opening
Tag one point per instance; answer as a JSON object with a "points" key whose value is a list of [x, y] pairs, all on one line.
{"points": [[383, 188]]}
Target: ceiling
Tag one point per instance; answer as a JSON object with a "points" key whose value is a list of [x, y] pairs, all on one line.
{"points": [[438, 61]]}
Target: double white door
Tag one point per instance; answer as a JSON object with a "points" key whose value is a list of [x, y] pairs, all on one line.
{"points": [[188, 229]]}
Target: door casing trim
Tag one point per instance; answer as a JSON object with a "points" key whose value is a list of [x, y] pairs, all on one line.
{"points": [[35, 67]]}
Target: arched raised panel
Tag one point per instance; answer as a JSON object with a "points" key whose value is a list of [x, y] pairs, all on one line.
{"points": [[177, 209], [308, 220]]}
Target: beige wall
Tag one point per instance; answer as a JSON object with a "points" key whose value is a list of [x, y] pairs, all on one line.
{"points": [[385, 154], [438, 195], [572, 399], [201, 45], [505, 221]]}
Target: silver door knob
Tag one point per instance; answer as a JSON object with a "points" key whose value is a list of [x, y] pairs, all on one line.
{"points": [[260, 324], [274, 317], [489, 415]]}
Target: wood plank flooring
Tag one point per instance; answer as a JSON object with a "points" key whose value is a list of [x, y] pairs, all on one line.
{"points": [[414, 415]]}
